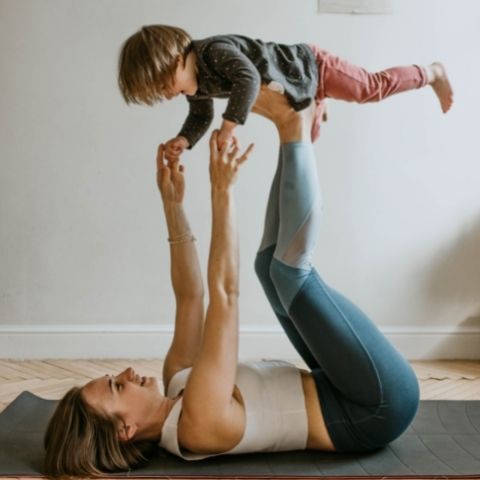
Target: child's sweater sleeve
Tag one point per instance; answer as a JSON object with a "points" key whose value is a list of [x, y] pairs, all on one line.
{"points": [[199, 118], [230, 63]]}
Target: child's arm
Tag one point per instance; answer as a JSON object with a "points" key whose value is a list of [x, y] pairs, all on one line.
{"points": [[231, 64], [199, 118]]}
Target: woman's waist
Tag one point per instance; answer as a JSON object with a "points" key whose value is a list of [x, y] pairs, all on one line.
{"points": [[318, 436]]}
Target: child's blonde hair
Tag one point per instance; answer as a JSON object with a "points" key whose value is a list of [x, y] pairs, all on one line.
{"points": [[148, 60]]}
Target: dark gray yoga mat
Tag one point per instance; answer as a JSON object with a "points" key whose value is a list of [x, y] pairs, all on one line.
{"points": [[444, 440]]}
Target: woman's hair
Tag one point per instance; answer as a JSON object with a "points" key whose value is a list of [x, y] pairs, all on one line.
{"points": [[148, 60], [81, 441]]}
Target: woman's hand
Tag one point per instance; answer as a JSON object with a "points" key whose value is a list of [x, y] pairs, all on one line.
{"points": [[225, 162], [170, 179]]}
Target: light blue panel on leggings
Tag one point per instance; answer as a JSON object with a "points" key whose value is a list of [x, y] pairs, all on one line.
{"points": [[300, 215], [299, 205]]}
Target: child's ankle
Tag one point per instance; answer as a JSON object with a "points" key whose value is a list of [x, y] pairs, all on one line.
{"points": [[431, 75]]}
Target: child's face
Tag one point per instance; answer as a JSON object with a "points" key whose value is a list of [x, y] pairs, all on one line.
{"points": [[185, 80]]}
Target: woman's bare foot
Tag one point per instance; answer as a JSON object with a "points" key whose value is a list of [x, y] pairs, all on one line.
{"points": [[291, 124], [438, 80]]}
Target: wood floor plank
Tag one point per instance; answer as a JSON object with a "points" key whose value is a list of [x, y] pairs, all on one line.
{"points": [[61, 371], [115, 367], [10, 391], [447, 369], [46, 389], [474, 394], [33, 369], [54, 370], [80, 367], [10, 369], [452, 390]]}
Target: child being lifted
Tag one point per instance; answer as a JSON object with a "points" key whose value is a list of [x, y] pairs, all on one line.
{"points": [[161, 62]]}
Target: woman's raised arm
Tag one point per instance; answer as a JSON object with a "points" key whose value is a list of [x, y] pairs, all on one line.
{"points": [[208, 393], [184, 270]]}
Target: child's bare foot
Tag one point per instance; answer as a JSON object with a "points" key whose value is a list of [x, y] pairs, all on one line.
{"points": [[438, 80]]}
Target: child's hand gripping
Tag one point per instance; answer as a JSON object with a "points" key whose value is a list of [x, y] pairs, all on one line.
{"points": [[174, 148], [226, 134]]}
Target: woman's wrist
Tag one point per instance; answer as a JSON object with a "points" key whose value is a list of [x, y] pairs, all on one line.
{"points": [[184, 237], [222, 191], [177, 223], [169, 205]]}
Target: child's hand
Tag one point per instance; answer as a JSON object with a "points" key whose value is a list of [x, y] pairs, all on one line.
{"points": [[174, 148], [226, 134], [170, 180]]}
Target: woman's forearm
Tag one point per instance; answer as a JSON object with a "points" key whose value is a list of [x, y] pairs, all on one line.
{"points": [[220, 341], [223, 258], [185, 268], [213, 374]]}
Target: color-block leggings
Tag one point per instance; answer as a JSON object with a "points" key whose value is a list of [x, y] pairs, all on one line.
{"points": [[343, 80], [368, 392]]}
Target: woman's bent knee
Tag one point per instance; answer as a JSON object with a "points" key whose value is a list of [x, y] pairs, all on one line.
{"points": [[262, 263], [287, 280], [399, 409]]}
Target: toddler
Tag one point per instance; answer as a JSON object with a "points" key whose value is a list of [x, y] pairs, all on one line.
{"points": [[161, 62]]}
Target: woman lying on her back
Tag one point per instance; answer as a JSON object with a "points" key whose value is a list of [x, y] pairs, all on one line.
{"points": [[359, 394]]}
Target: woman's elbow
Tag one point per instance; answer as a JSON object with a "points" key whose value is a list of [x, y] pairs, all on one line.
{"points": [[226, 292]]}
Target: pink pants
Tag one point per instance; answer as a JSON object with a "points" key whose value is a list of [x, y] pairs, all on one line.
{"points": [[345, 81]]}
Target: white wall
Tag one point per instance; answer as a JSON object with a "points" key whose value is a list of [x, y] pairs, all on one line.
{"points": [[83, 252]]}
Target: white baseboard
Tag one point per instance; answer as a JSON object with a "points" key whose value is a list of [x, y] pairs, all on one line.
{"points": [[146, 341]]}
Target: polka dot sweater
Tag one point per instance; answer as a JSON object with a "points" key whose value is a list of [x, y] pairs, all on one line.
{"points": [[234, 67]]}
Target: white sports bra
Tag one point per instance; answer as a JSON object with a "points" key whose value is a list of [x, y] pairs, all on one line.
{"points": [[276, 416]]}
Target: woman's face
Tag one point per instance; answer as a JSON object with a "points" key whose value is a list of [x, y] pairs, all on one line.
{"points": [[136, 400]]}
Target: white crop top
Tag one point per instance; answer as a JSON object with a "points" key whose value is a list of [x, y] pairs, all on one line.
{"points": [[276, 417]]}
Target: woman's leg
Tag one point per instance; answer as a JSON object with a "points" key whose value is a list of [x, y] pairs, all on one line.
{"points": [[369, 392], [262, 268]]}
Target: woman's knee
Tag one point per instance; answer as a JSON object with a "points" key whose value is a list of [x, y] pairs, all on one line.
{"points": [[287, 280], [410, 400], [400, 406], [262, 263]]}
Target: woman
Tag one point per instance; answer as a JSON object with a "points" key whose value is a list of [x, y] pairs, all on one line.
{"points": [[359, 395]]}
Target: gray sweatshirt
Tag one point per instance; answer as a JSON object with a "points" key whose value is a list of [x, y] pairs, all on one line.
{"points": [[234, 67]]}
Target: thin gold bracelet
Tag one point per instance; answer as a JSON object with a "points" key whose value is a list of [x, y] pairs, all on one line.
{"points": [[182, 238]]}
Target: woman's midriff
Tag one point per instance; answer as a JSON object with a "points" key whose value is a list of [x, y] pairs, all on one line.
{"points": [[318, 436]]}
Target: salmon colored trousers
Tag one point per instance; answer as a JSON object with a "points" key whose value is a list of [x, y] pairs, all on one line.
{"points": [[343, 80]]}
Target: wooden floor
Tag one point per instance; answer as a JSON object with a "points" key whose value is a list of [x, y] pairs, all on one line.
{"points": [[446, 380]]}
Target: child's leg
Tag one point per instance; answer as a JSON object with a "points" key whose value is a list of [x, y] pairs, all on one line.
{"points": [[369, 393], [262, 268], [343, 80]]}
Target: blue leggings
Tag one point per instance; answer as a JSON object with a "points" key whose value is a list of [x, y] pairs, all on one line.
{"points": [[368, 392]]}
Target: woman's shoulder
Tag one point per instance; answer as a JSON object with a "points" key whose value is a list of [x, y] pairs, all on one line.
{"points": [[177, 382], [211, 433]]}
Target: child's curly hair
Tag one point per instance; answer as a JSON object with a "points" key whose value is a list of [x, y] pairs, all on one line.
{"points": [[148, 60]]}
